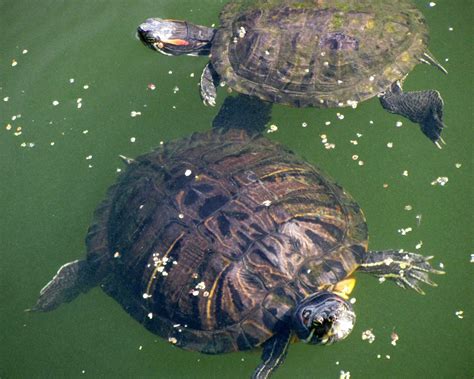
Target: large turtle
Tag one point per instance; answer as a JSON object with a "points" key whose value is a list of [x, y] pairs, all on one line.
{"points": [[224, 241], [321, 53]]}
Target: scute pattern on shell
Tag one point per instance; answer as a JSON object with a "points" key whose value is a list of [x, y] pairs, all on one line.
{"points": [[317, 53], [215, 260]]}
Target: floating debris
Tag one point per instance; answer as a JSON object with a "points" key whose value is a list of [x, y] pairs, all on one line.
{"points": [[327, 123], [340, 116], [419, 245], [368, 335], [6, 98], [272, 128], [432, 4], [242, 32], [408, 207], [389, 145], [89, 157], [399, 124], [458, 165], [55, 102], [24, 51], [172, 340], [460, 314], [405, 173], [394, 338], [187, 172], [175, 89], [14, 63], [133, 139], [86, 86], [304, 124], [405, 231], [344, 375], [151, 86], [135, 113], [418, 219], [441, 180], [71, 80], [8, 127], [267, 203], [472, 258], [355, 157]]}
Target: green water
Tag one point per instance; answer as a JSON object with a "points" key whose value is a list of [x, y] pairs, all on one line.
{"points": [[49, 189]]}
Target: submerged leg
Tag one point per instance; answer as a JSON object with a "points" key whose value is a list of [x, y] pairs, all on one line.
{"points": [[70, 280], [406, 269], [273, 355], [422, 107], [209, 83]]}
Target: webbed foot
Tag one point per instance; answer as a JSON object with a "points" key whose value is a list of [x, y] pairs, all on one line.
{"points": [[273, 355], [422, 107], [209, 83], [71, 279], [408, 270]]}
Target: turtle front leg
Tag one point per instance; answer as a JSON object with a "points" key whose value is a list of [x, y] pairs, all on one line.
{"points": [[209, 82], [273, 355], [406, 269], [422, 107]]}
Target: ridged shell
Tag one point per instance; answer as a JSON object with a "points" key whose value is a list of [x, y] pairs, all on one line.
{"points": [[317, 53], [210, 241]]}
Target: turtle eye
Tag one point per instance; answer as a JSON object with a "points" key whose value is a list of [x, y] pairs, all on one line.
{"points": [[306, 314]]}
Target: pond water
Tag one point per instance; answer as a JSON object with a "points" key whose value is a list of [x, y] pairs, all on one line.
{"points": [[72, 76]]}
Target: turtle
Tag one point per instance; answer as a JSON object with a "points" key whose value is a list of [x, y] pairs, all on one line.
{"points": [[227, 241], [320, 53]]}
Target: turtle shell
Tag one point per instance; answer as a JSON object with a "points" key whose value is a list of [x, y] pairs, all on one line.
{"points": [[322, 53], [211, 241]]}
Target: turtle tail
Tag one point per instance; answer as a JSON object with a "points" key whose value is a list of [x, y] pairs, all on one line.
{"points": [[243, 112], [71, 279]]}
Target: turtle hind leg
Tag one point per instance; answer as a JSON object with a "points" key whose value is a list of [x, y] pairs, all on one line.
{"points": [[273, 355], [408, 270], [422, 107], [209, 82], [71, 279]]}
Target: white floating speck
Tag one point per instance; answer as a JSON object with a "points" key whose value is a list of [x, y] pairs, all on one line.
{"points": [[140, 347], [354, 142], [441, 180], [117, 254], [181, 215], [79, 105], [89, 157], [8, 127], [170, 72], [242, 32], [352, 300], [132, 139], [458, 165], [405, 173], [272, 129], [172, 340], [135, 114], [340, 116], [387, 356], [394, 338], [14, 63], [327, 123], [24, 51], [405, 231], [200, 286], [353, 103], [71, 80], [371, 78], [191, 75], [151, 86], [371, 122], [398, 124], [195, 293], [175, 89], [187, 172], [267, 203], [450, 28], [460, 314], [355, 157], [344, 374], [368, 335], [6, 98], [86, 86], [408, 207], [472, 258], [85, 131], [304, 124], [432, 4], [55, 102], [146, 295], [360, 163], [389, 145], [441, 265], [419, 245]]}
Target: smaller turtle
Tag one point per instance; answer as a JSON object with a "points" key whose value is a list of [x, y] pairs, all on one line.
{"points": [[311, 53], [226, 242]]}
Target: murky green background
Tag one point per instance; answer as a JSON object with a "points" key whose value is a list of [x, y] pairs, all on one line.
{"points": [[49, 189]]}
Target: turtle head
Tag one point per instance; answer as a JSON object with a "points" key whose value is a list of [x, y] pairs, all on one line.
{"points": [[323, 318], [175, 37]]}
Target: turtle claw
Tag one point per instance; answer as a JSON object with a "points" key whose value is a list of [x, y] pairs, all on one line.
{"points": [[209, 82], [408, 270]]}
